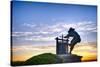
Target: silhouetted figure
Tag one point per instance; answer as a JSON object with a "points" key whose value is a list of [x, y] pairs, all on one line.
{"points": [[76, 38]]}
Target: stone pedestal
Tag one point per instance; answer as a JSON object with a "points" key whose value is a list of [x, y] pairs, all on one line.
{"points": [[68, 58]]}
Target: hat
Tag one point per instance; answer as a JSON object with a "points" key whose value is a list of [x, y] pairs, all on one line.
{"points": [[71, 29]]}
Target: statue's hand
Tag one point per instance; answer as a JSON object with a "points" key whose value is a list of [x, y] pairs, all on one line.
{"points": [[56, 38]]}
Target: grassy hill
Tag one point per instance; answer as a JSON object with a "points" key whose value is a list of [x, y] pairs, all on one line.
{"points": [[46, 58]]}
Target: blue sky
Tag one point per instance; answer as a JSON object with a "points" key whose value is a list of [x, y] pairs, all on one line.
{"points": [[37, 23]]}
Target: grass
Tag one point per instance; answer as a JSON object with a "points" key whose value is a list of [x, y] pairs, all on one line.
{"points": [[46, 58]]}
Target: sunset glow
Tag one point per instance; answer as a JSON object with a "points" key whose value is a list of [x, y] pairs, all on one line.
{"points": [[22, 53]]}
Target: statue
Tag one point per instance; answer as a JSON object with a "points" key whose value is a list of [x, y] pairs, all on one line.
{"points": [[76, 38], [62, 43]]}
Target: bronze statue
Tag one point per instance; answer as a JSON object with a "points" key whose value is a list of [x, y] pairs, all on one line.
{"points": [[76, 38]]}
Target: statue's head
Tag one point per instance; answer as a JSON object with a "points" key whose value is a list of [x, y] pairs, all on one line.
{"points": [[71, 29]]}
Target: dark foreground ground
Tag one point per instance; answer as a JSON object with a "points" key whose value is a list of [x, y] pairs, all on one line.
{"points": [[47, 58]]}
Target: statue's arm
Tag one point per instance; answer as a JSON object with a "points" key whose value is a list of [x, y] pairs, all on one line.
{"points": [[67, 36]]}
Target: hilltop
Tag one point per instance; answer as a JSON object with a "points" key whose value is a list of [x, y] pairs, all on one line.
{"points": [[45, 58]]}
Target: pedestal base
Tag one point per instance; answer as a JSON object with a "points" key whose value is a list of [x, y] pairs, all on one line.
{"points": [[66, 58]]}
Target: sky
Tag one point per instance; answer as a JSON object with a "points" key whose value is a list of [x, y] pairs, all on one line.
{"points": [[35, 23]]}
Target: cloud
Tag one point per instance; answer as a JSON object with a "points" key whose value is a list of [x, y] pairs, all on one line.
{"points": [[62, 26], [87, 26], [81, 26], [40, 38], [45, 32], [29, 25], [20, 34], [33, 36]]}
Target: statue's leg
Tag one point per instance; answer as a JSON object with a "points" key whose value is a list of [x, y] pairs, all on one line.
{"points": [[72, 46]]}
